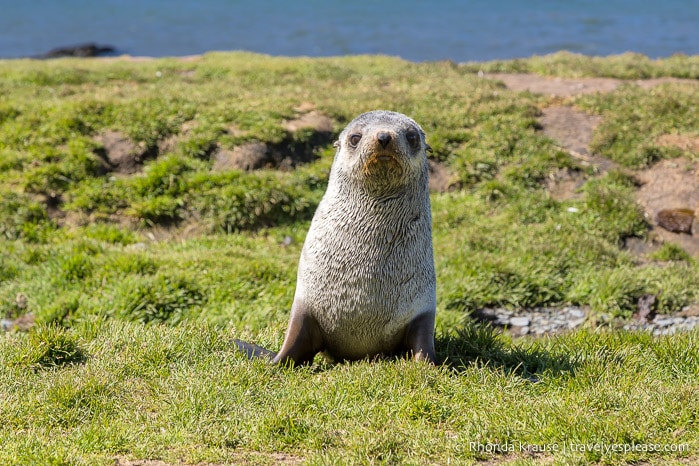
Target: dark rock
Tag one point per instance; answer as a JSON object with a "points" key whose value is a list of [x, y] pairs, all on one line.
{"points": [[676, 220], [81, 50]]}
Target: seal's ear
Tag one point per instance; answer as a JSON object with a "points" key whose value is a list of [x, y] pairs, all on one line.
{"points": [[428, 148], [336, 144]]}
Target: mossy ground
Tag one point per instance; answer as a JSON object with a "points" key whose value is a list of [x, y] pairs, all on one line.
{"points": [[139, 281]]}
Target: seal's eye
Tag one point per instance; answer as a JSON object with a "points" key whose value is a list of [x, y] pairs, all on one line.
{"points": [[413, 139], [354, 139]]}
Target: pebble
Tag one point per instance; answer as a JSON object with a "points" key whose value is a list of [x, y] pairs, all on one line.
{"points": [[547, 321], [519, 321]]}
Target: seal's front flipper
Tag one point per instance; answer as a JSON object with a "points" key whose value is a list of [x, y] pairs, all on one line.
{"points": [[419, 338], [303, 338], [254, 351]]}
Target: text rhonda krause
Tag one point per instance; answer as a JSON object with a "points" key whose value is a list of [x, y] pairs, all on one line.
{"points": [[576, 447]]}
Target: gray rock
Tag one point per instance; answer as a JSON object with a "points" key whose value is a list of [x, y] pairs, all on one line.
{"points": [[520, 321]]}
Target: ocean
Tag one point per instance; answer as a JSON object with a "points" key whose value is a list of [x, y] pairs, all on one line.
{"points": [[416, 30]]}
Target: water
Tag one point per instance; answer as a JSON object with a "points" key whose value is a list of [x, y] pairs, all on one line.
{"points": [[412, 29]]}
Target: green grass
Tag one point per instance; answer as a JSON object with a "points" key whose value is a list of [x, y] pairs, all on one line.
{"points": [[624, 66], [181, 393], [139, 282]]}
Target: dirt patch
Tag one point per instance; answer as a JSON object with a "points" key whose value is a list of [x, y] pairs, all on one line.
{"points": [[671, 184], [247, 157], [313, 120], [571, 128], [169, 144], [285, 155], [442, 179], [683, 142], [564, 184], [560, 87], [567, 87], [120, 154]]}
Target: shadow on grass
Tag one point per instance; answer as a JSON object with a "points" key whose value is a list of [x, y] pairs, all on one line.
{"points": [[481, 345]]}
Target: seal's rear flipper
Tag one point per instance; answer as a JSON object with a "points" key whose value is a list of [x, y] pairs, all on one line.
{"points": [[254, 351]]}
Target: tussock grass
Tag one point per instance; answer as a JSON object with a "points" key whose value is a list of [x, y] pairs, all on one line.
{"points": [[139, 282]]}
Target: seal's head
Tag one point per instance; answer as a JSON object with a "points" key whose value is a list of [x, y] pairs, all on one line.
{"points": [[382, 150]]}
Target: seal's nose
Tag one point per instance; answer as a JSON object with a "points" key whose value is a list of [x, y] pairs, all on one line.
{"points": [[384, 139]]}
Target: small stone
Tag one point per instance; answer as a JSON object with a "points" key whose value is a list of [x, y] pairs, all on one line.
{"points": [[519, 321], [676, 220], [576, 313], [662, 322]]}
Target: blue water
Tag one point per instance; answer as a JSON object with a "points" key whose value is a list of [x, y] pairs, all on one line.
{"points": [[412, 29]]}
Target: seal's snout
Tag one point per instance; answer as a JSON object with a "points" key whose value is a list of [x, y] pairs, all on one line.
{"points": [[383, 138]]}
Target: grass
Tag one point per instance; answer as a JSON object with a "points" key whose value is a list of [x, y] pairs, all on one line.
{"points": [[625, 66], [180, 393], [139, 282]]}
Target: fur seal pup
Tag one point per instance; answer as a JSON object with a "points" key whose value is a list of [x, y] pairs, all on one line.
{"points": [[366, 282]]}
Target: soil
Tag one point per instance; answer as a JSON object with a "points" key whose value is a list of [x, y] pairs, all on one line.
{"points": [[671, 184], [248, 157], [313, 120], [119, 153], [567, 87], [442, 179]]}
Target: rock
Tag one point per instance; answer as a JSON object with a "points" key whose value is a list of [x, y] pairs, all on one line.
{"points": [[676, 220], [662, 322], [546, 321], [22, 323], [81, 50], [520, 321]]}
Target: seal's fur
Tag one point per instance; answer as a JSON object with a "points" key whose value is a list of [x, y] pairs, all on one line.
{"points": [[366, 282]]}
